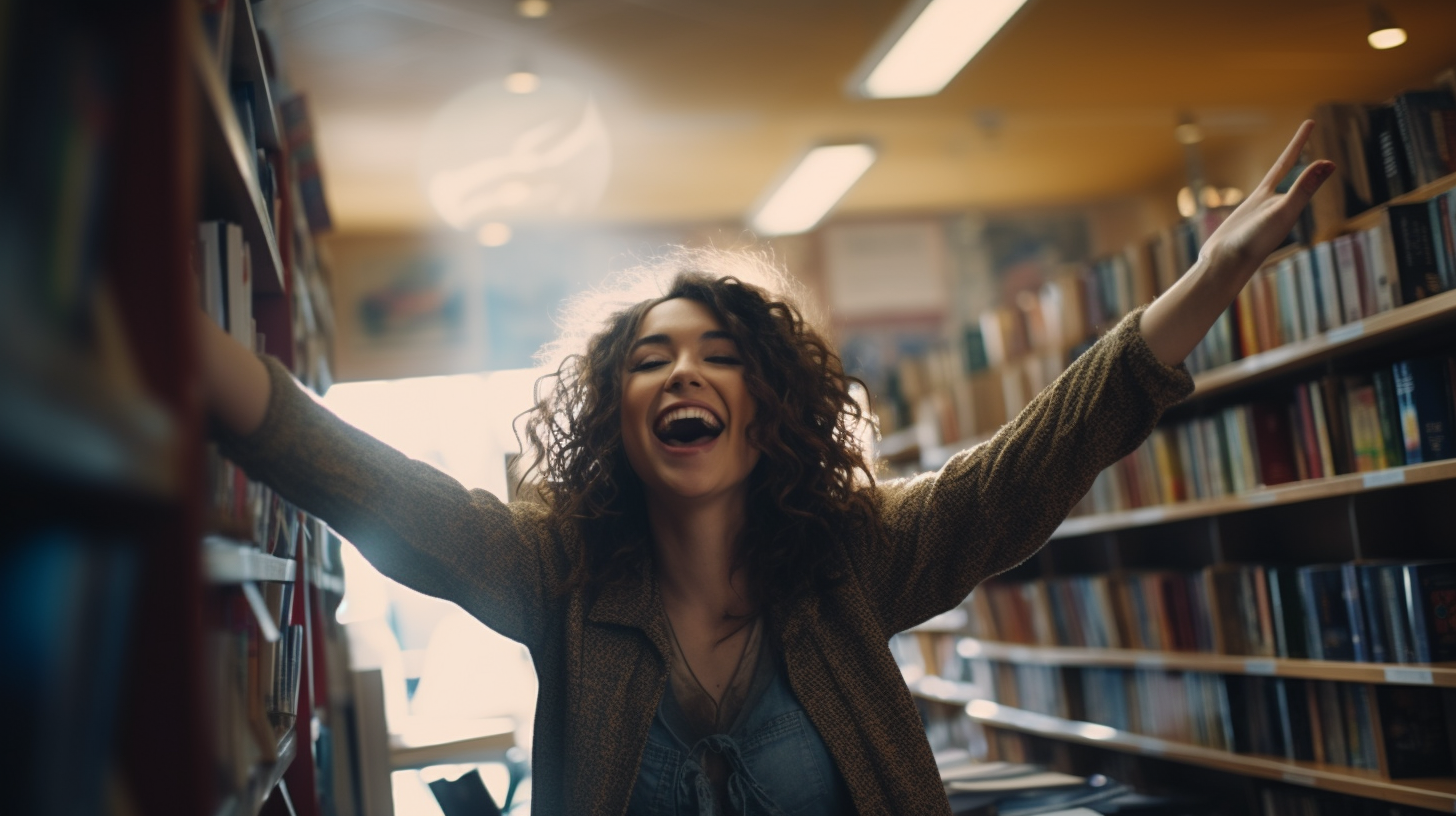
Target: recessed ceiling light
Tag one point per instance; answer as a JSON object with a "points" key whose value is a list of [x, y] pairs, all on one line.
{"points": [[533, 8], [811, 189], [928, 45], [522, 82], [1384, 33], [494, 234]]}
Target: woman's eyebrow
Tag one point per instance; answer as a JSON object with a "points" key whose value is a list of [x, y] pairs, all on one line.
{"points": [[718, 335], [650, 340]]}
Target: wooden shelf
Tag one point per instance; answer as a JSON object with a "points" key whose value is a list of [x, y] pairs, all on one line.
{"points": [[1379, 328], [1371, 217], [232, 562], [1436, 794], [232, 189], [1290, 493], [265, 777], [1411, 675], [248, 60]]}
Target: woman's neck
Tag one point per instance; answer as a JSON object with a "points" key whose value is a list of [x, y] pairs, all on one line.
{"points": [[696, 547]]}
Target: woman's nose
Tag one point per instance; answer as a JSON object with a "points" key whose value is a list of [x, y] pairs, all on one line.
{"points": [[685, 373]]}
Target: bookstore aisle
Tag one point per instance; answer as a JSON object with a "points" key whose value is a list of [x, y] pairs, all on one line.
{"points": [[172, 645], [1257, 604]]}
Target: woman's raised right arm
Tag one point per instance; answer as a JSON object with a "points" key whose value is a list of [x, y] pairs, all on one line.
{"points": [[235, 383], [414, 523]]}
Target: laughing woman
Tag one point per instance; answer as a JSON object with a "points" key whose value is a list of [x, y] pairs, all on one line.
{"points": [[709, 586]]}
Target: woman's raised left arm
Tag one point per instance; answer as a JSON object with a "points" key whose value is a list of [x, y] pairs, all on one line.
{"points": [[993, 506]]}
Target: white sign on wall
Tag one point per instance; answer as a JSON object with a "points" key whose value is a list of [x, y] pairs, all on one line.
{"points": [[885, 271]]}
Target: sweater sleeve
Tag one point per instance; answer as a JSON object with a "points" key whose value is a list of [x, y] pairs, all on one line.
{"points": [[415, 524], [993, 506]]}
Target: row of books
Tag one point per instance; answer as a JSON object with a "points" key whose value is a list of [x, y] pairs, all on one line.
{"points": [[1398, 731], [1408, 256], [1400, 415], [1290, 800], [255, 685], [1376, 611], [1383, 151]]}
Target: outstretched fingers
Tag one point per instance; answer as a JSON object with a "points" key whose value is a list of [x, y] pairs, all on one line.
{"points": [[1288, 158]]}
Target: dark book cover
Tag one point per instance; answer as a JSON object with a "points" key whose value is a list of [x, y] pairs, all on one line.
{"points": [[1274, 441], [1355, 611], [1415, 251], [1326, 616], [1180, 611], [1371, 606], [1431, 610], [1423, 395], [1294, 721], [1442, 239], [1396, 623], [1413, 727], [1337, 423], [1288, 612], [1415, 113], [1389, 412], [1446, 205], [1392, 160]]}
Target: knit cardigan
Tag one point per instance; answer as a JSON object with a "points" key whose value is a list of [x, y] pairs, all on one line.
{"points": [[602, 658]]}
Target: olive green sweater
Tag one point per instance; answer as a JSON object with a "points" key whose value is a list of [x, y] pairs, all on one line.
{"points": [[602, 661]]}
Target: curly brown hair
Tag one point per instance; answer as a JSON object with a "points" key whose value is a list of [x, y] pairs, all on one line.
{"points": [[809, 489]]}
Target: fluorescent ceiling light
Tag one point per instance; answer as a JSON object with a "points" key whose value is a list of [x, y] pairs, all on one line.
{"points": [[929, 44], [821, 178]]}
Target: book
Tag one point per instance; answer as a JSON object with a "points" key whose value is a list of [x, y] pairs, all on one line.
{"points": [[1329, 633], [1287, 612], [1422, 393], [1430, 596], [1414, 250], [1327, 281], [1413, 732]]}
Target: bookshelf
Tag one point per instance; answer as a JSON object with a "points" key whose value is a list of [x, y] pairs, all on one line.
{"points": [[231, 189], [164, 669], [233, 562], [262, 782], [1309, 490], [1248, 703], [1425, 675], [1433, 794]]}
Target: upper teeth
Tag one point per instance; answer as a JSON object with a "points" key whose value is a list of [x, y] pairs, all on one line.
{"points": [[687, 412]]}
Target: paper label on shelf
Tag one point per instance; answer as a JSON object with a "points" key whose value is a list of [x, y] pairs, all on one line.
{"points": [[1150, 662], [1384, 478], [1259, 666], [1300, 779], [1410, 677], [1349, 331], [1261, 497]]}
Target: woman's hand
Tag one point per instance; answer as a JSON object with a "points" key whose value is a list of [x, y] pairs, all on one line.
{"points": [[235, 385], [1177, 320]]}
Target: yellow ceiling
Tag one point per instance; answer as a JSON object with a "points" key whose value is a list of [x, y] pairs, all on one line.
{"points": [[708, 100]]}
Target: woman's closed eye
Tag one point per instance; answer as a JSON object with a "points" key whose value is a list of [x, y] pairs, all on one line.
{"points": [[724, 359], [647, 365]]}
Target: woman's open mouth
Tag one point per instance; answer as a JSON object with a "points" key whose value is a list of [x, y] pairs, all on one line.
{"points": [[687, 426]]}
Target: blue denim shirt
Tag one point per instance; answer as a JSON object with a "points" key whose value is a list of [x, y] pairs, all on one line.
{"points": [[779, 765]]}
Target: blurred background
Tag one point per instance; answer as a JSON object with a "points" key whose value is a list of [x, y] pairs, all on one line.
{"points": [[968, 192]]}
